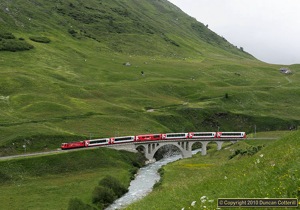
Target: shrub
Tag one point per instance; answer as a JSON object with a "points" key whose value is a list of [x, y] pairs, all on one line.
{"points": [[113, 184], [103, 196], [77, 204], [249, 151], [72, 32], [14, 45], [6, 35], [161, 172], [40, 39], [132, 172]]}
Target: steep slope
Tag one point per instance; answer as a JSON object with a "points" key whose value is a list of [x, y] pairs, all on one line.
{"points": [[272, 172], [148, 27], [63, 78]]}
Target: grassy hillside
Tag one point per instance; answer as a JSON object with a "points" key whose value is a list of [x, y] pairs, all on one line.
{"points": [[49, 182], [72, 83], [122, 26], [273, 172]]}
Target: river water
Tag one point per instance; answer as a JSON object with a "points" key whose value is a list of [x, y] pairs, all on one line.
{"points": [[143, 183]]}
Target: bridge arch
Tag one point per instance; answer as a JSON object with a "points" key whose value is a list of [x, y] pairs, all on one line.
{"points": [[175, 144], [151, 148], [205, 143], [184, 146]]}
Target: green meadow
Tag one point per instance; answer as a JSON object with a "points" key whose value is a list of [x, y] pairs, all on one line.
{"points": [[73, 70], [100, 97], [272, 172], [49, 182], [73, 83]]}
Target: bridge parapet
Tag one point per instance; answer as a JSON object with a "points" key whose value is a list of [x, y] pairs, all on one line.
{"points": [[127, 146]]}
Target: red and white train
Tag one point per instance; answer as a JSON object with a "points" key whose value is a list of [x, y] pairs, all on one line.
{"points": [[152, 137]]}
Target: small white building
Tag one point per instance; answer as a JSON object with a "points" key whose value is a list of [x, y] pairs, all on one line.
{"points": [[285, 70]]}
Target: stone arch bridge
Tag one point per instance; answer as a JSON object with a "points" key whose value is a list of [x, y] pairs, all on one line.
{"points": [[184, 146]]}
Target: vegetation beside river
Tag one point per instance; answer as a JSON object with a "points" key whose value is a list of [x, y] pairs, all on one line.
{"points": [[272, 172], [260, 168], [51, 181]]}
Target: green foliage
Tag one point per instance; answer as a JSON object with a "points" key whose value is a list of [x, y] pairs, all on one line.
{"points": [[64, 163], [48, 91], [133, 172], [45, 94], [4, 177], [114, 184], [77, 204], [6, 35], [61, 177], [249, 151], [211, 119], [40, 39], [8, 42], [272, 172], [161, 172], [96, 19], [14, 45], [103, 196], [167, 39], [108, 190], [72, 32], [37, 143]]}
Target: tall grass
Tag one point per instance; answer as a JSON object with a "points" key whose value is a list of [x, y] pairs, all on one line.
{"points": [[49, 182], [77, 85], [273, 172]]}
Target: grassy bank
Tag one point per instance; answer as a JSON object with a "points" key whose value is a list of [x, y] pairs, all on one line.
{"points": [[49, 182], [64, 90], [77, 85], [272, 172]]}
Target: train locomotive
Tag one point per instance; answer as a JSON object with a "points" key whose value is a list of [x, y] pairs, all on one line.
{"points": [[151, 137]]}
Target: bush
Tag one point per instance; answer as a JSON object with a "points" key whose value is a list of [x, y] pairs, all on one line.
{"points": [[77, 204], [8, 42], [132, 172], [14, 45], [109, 189], [161, 172], [6, 35], [249, 151], [113, 184], [72, 32], [103, 196], [40, 39]]}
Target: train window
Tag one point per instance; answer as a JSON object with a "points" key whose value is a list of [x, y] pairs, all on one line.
{"points": [[98, 141], [176, 135], [123, 138], [203, 134], [232, 134]]}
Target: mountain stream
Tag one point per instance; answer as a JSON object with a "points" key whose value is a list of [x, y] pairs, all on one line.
{"points": [[143, 183]]}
